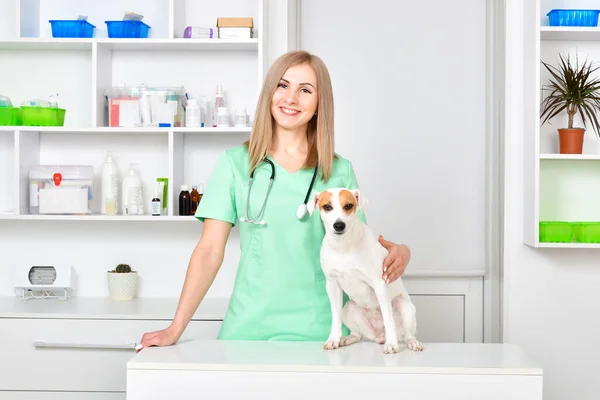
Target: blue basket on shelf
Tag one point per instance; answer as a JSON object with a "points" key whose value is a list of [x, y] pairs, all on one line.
{"points": [[559, 17], [127, 29], [71, 29]]}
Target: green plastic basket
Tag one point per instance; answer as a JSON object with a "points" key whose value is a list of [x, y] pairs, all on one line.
{"points": [[588, 232], [43, 116], [556, 231], [10, 116]]}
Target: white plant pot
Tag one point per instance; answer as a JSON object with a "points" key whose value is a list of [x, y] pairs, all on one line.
{"points": [[122, 286]]}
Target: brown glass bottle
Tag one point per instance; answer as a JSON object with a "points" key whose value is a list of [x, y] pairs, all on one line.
{"points": [[195, 196], [185, 201]]}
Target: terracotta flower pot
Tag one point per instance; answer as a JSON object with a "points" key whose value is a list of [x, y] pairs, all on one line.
{"points": [[571, 140], [122, 286]]}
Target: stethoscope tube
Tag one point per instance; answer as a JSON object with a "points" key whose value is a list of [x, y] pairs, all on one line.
{"points": [[302, 209]]}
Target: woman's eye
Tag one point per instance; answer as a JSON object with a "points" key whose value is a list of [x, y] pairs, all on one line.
{"points": [[306, 90], [281, 85], [348, 206]]}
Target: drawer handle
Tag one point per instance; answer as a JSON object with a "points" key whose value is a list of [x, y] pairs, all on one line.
{"points": [[127, 346]]}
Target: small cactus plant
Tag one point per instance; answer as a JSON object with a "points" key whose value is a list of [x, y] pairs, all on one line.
{"points": [[122, 268]]}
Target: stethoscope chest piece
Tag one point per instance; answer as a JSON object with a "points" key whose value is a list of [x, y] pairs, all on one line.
{"points": [[301, 211]]}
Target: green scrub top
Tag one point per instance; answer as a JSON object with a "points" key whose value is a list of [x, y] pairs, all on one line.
{"points": [[279, 290]]}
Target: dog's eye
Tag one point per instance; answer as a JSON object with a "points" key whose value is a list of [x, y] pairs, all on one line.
{"points": [[348, 206], [327, 207]]}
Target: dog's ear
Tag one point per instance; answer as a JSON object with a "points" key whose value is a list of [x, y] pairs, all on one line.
{"points": [[312, 203], [361, 200]]}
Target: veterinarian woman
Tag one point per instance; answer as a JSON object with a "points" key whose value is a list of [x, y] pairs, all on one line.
{"points": [[279, 291]]}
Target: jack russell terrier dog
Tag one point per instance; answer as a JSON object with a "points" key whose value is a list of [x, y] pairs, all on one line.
{"points": [[352, 258]]}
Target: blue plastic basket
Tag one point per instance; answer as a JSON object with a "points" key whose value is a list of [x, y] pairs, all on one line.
{"points": [[127, 29], [71, 29], [559, 17]]}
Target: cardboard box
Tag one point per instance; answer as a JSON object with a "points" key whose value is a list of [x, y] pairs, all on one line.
{"points": [[235, 22]]}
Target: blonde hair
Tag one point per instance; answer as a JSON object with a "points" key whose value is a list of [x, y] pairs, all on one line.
{"points": [[320, 128]]}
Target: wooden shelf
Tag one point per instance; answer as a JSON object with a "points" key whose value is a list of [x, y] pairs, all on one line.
{"points": [[570, 33]]}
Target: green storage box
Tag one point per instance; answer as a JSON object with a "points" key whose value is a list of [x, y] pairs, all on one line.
{"points": [[588, 232], [43, 116], [10, 116], [556, 231]]}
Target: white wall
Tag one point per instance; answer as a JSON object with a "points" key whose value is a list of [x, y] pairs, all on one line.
{"points": [[409, 86], [551, 296]]}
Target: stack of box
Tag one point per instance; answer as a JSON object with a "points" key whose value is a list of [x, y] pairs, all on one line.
{"points": [[235, 28]]}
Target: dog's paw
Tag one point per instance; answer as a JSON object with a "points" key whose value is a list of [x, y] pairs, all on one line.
{"points": [[380, 339], [348, 340], [331, 344], [390, 348], [414, 345]]}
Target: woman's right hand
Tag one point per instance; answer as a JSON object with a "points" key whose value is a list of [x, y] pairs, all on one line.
{"points": [[164, 337]]}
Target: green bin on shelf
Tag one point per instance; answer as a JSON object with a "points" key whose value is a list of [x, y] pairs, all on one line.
{"points": [[43, 116], [10, 116], [588, 232], [556, 231]]}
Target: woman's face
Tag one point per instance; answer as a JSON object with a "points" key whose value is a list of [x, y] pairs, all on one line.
{"points": [[295, 100]]}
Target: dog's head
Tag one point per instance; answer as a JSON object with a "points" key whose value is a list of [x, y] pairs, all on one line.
{"points": [[338, 207]]}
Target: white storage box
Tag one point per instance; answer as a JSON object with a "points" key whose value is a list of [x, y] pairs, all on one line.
{"points": [[61, 189]]}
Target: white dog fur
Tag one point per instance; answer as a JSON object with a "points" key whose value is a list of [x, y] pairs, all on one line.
{"points": [[352, 260]]}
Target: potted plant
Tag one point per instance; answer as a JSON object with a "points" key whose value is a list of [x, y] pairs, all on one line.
{"points": [[122, 283], [572, 89]]}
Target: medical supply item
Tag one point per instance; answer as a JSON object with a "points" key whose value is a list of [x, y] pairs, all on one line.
{"points": [[222, 117], [139, 106], [111, 205], [235, 28], [568, 17], [193, 113], [155, 205], [164, 194], [300, 212], [79, 28], [203, 111], [110, 183], [219, 103], [44, 281], [195, 199], [131, 198], [61, 189], [198, 32], [241, 119], [185, 201]]}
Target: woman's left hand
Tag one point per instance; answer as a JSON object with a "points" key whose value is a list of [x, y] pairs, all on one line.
{"points": [[396, 261]]}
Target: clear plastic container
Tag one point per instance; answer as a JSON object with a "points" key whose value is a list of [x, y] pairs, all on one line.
{"points": [[72, 29], [144, 106], [61, 189]]}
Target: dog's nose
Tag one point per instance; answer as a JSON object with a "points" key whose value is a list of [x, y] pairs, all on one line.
{"points": [[339, 226]]}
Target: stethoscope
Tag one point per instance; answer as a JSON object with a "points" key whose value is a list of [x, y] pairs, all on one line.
{"points": [[300, 212]]}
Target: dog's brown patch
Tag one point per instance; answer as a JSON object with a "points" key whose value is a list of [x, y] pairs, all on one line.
{"points": [[324, 199], [347, 202]]}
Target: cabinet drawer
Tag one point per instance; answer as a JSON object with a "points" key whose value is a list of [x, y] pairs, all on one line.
{"points": [[75, 354]]}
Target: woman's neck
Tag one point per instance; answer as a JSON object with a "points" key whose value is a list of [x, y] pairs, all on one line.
{"points": [[291, 143]]}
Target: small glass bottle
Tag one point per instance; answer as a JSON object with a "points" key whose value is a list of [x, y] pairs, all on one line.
{"points": [[185, 201], [155, 206], [195, 196]]}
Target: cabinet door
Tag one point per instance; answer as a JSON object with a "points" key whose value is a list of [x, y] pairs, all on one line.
{"points": [[440, 318], [76, 355]]}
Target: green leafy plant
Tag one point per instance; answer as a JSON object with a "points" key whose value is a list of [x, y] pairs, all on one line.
{"points": [[574, 89], [122, 269]]}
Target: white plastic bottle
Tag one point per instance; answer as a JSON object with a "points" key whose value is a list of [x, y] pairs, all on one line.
{"points": [[110, 182], [132, 201]]}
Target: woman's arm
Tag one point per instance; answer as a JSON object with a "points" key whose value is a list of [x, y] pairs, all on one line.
{"points": [[204, 264]]}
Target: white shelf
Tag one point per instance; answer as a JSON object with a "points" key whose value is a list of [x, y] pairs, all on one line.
{"points": [[570, 33], [46, 44], [570, 245], [100, 217], [212, 309], [179, 44], [140, 131], [570, 157]]}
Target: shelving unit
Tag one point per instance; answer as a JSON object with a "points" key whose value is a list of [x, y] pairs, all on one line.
{"points": [[557, 187], [35, 65]]}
